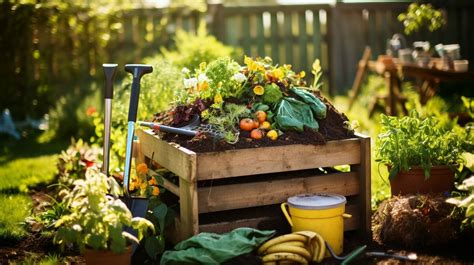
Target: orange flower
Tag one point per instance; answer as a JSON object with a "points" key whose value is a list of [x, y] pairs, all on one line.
{"points": [[152, 181], [142, 169], [202, 86], [156, 191], [90, 111]]}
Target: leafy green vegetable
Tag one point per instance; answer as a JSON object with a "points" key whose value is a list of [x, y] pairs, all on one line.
{"points": [[317, 106], [272, 94], [413, 140], [293, 114]]}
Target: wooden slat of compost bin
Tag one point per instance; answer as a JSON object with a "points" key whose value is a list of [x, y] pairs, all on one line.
{"points": [[236, 196], [364, 172], [245, 162], [224, 227], [178, 160]]}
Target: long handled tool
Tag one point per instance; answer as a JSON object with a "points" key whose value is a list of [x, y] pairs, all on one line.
{"points": [[193, 128], [137, 205], [109, 72]]}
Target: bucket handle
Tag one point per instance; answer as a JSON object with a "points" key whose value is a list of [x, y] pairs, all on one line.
{"points": [[346, 215], [285, 212]]}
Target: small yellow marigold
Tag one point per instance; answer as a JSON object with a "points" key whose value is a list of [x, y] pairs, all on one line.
{"points": [[218, 99], [302, 74], [142, 169], [143, 185], [258, 90], [155, 191]]}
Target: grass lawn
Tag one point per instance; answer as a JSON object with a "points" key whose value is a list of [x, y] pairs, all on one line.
{"points": [[24, 164], [15, 207]]}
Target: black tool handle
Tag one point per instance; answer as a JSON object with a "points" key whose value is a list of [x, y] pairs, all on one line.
{"points": [[137, 70], [168, 129], [109, 72]]}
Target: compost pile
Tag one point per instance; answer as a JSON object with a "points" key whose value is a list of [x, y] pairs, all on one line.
{"points": [[255, 105], [416, 222]]}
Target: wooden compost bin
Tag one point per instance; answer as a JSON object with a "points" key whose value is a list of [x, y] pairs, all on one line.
{"points": [[248, 182]]}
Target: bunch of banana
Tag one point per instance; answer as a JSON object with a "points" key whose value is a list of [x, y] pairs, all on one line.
{"points": [[301, 247]]}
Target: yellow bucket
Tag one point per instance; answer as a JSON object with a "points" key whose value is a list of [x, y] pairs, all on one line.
{"points": [[322, 213]]}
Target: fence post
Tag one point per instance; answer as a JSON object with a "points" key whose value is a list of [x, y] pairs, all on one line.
{"points": [[215, 20], [334, 48]]}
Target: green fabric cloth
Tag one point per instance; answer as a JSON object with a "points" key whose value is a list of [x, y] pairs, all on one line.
{"points": [[293, 114], [210, 248]]}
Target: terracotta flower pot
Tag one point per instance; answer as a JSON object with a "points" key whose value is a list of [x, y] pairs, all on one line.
{"points": [[100, 257], [413, 181]]}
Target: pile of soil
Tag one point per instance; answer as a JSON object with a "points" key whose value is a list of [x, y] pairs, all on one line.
{"points": [[333, 127], [416, 222]]}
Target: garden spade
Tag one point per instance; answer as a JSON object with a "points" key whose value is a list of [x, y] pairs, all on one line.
{"points": [[137, 205], [109, 72]]}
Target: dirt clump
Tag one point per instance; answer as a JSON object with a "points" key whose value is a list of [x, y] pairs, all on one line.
{"points": [[416, 221]]}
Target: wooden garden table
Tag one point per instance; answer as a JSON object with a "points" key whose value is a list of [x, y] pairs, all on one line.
{"points": [[395, 72]]}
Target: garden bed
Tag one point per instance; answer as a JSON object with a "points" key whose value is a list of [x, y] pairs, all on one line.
{"points": [[244, 183]]}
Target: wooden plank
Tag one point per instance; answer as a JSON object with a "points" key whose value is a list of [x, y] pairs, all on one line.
{"points": [[245, 162], [246, 34], [288, 36], [303, 41], [170, 186], [178, 160], [260, 36], [188, 207], [364, 172], [274, 36], [236, 196], [224, 227], [316, 35]]}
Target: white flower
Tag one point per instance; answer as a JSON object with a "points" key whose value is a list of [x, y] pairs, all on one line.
{"points": [[239, 77], [185, 70], [191, 82], [77, 227], [202, 78]]}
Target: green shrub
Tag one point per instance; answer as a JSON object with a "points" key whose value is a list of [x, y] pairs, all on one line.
{"points": [[192, 49]]}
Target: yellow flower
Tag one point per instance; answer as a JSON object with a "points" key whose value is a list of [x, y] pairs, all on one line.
{"points": [[218, 99], [278, 74], [316, 66], [202, 66], [132, 186], [143, 185], [156, 191], [142, 169], [258, 90], [202, 86], [253, 65], [152, 181], [247, 60], [302, 74]]}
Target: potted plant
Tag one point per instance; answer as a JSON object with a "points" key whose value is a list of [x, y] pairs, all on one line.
{"points": [[97, 219], [420, 153]]}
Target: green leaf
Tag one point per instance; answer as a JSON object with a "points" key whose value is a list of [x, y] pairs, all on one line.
{"points": [[160, 213], [154, 246]]}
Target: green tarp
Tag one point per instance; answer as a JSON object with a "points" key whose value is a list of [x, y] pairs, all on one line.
{"points": [[209, 248]]}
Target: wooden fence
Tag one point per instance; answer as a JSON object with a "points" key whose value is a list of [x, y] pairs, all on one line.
{"points": [[37, 52]]}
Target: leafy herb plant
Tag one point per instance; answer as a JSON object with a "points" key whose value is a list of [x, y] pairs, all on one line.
{"points": [[416, 141], [96, 219]]}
